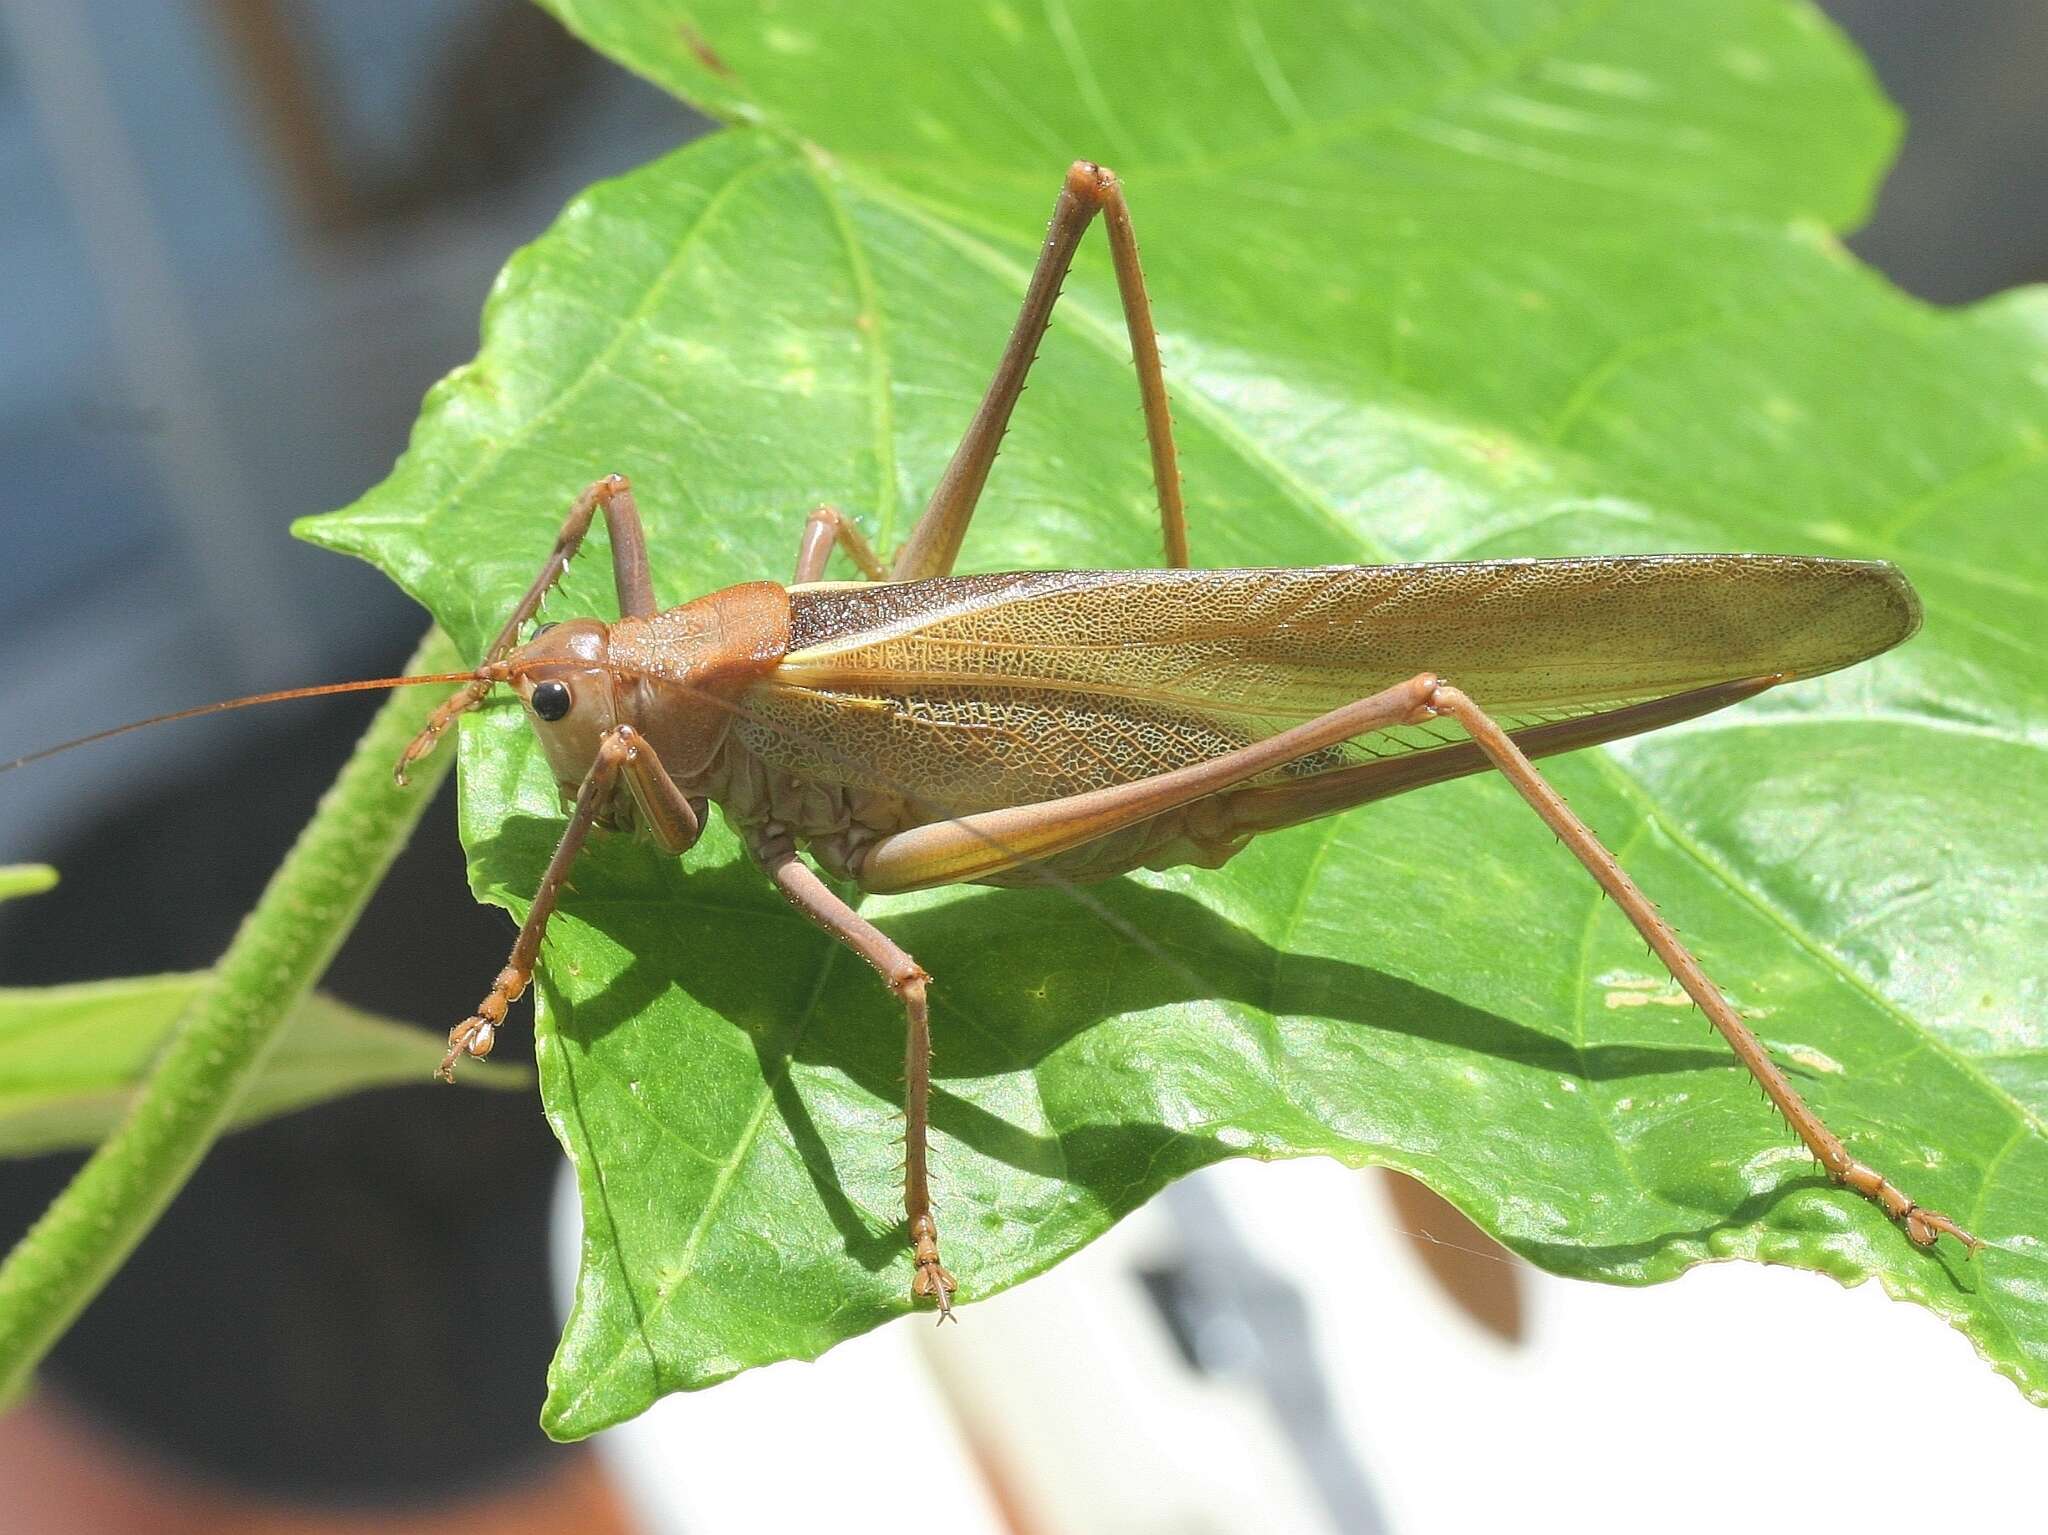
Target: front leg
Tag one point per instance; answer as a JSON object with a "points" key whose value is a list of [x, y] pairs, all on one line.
{"points": [[809, 894], [479, 1031], [674, 821], [631, 577], [614, 498]]}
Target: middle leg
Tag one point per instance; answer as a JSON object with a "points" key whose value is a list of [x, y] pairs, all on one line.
{"points": [[826, 526], [809, 894]]}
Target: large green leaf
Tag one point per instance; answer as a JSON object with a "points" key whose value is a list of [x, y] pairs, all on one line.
{"points": [[1435, 280]]}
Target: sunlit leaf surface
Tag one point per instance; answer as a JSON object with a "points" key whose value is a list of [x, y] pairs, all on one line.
{"points": [[1435, 281]]}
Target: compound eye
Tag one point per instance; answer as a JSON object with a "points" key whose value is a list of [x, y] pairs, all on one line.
{"points": [[551, 700]]}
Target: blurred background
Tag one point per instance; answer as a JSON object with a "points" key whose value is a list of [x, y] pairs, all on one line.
{"points": [[238, 240]]}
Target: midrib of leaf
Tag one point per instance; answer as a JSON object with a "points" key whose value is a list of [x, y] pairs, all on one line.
{"points": [[714, 1201], [882, 402]]}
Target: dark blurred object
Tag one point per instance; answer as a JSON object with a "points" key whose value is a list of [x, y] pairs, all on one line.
{"points": [[1232, 1314], [1964, 213], [1481, 1276], [505, 75], [64, 1476]]}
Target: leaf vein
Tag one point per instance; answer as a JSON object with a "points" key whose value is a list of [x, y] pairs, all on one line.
{"points": [[1682, 839], [881, 373]]}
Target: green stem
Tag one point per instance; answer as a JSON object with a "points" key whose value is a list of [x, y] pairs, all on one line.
{"points": [[219, 1040]]}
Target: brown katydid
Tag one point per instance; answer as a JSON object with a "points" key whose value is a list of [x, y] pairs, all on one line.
{"points": [[919, 728]]}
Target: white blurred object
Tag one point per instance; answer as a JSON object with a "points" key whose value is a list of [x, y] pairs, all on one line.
{"points": [[1067, 1407]]}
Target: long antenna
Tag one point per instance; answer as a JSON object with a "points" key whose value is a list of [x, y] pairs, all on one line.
{"points": [[253, 699]]}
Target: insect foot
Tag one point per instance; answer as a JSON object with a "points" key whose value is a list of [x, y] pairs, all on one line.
{"points": [[479, 1031], [467, 697], [1924, 1226], [931, 1278]]}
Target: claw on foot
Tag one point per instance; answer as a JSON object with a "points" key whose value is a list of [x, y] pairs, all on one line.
{"points": [[473, 1036], [479, 1031], [931, 1278], [1923, 1226], [465, 698], [1926, 1226]]}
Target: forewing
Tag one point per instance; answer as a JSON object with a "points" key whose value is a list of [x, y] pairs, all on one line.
{"points": [[969, 693]]}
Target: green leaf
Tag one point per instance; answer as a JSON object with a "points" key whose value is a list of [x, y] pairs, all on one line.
{"points": [[71, 1057], [1434, 281]]}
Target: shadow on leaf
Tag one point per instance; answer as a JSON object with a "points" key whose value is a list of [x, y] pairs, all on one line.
{"points": [[1019, 976]]}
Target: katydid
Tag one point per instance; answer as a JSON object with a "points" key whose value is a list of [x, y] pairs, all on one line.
{"points": [[920, 728]]}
